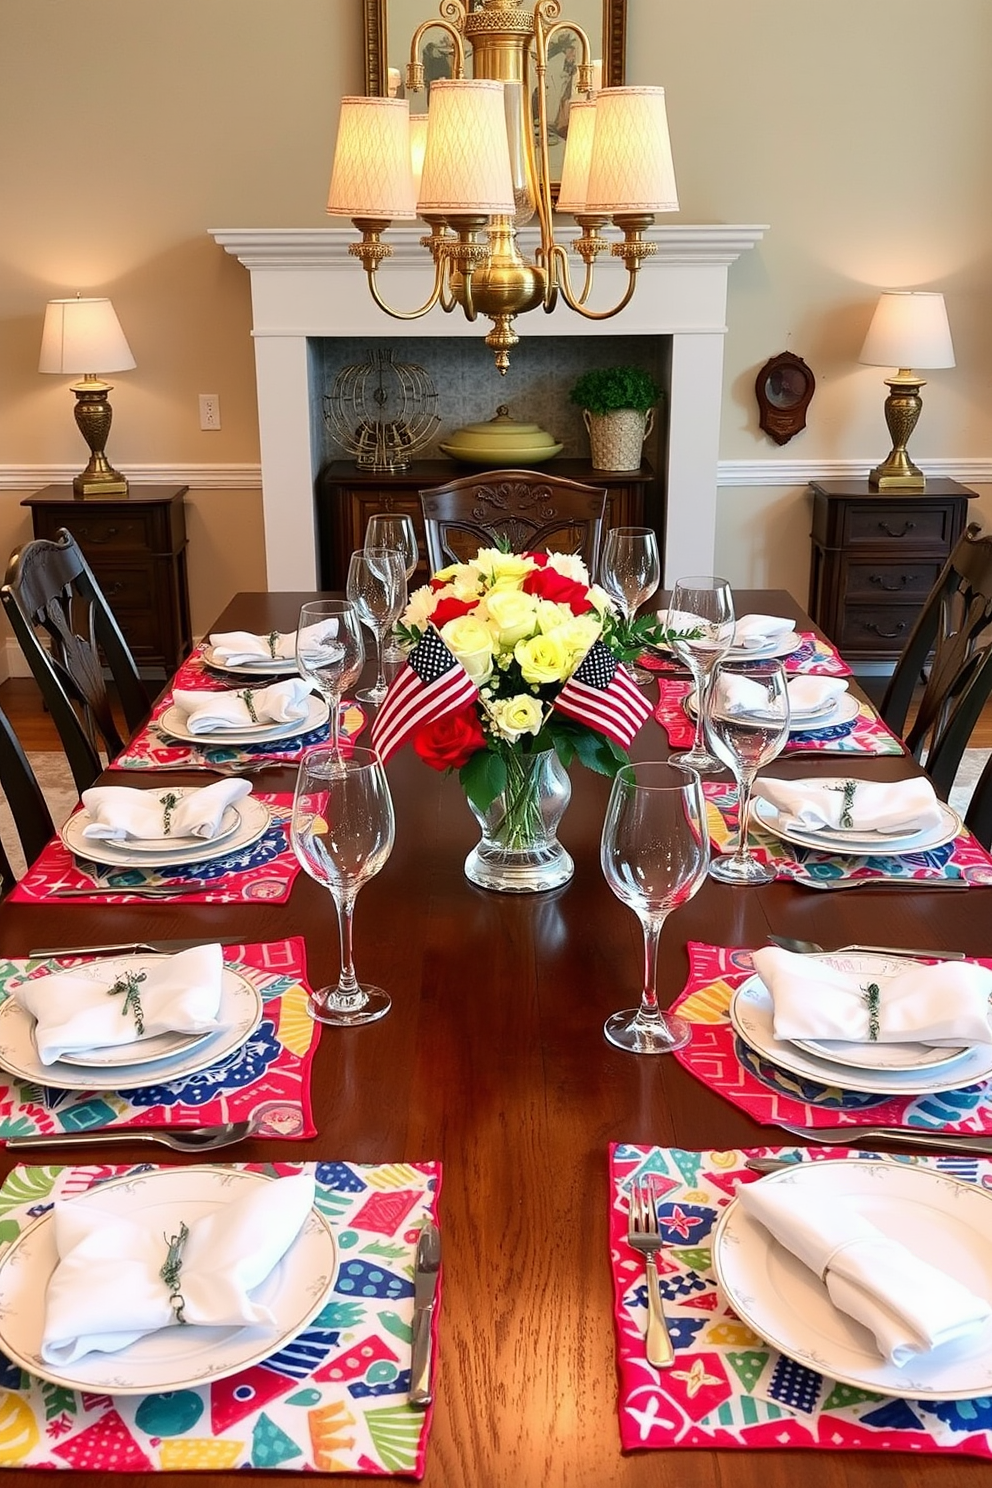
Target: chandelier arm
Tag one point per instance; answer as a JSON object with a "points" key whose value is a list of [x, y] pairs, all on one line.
{"points": [[428, 304], [577, 304], [415, 68]]}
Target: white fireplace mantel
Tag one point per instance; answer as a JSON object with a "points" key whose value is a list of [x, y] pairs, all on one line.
{"points": [[304, 284]]}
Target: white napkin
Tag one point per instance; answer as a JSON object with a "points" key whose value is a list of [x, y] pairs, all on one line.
{"points": [[241, 648], [709, 635], [107, 1291], [212, 712], [909, 1305], [741, 694], [944, 1004], [754, 631], [120, 814], [75, 1010], [901, 805]]}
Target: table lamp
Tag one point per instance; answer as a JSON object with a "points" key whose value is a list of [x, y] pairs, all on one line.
{"points": [[84, 336], [909, 329]]}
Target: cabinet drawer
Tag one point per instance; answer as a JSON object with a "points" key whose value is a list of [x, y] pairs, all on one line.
{"points": [[914, 524], [126, 585], [879, 580], [866, 627]]}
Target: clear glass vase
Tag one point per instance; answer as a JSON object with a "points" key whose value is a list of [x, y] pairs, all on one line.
{"points": [[519, 852]]}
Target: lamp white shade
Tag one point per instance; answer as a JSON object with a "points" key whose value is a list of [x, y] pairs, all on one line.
{"points": [[574, 188], [371, 176], [418, 146], [631, 170], [467, 163], [83, 336], [909, 329]]}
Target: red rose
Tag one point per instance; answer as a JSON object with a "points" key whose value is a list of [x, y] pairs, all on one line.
{"points": [[451, 609], [451, 741], [548, 583], [539, 558]]}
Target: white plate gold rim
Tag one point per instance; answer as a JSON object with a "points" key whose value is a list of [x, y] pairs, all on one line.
{"points": [[255, 822], [844, 843], [171, 724]]}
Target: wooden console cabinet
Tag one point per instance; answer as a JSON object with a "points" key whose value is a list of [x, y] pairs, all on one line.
{"points": [[347, 497], [876, 556], [136, 547]]}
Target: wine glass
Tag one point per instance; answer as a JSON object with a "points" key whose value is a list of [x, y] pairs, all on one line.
{"points": [[394, 530], [747, 725], [701, 621], [330, 653], [342, 832], [630, 572], [654, 852], [377, 588]]}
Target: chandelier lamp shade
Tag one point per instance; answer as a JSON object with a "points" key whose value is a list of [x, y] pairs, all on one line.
{"points": [[909, 330], [83, 337], [486, 171]]}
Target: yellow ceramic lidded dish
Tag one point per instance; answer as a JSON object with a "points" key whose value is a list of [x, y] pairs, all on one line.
{"points": [[502, 441]]}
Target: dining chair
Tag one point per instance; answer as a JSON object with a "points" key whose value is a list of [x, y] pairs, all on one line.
{"points": [[978, 815], [950, 650], [28, 807], [68, 634], [524, 509]]}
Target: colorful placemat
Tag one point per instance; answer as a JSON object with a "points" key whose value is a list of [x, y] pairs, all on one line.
{"points": [[331, 1401], [725, 1064], [863, 734], [267, 1079], [962, 858], [263, 870], [728, 1388], [813, 657]]}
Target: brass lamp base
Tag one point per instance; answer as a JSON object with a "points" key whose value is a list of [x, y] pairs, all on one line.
{"points": [[93, 419], [902, 409]]}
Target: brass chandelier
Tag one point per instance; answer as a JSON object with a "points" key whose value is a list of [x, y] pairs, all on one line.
{"points": [[484, 175]]}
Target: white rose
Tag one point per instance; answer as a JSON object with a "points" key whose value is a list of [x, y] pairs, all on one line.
{"points": [[571, 565], [518, 715], [542, 659], [551, 616], [420, 608], [471, 642], [511, 614], [600, 600]]}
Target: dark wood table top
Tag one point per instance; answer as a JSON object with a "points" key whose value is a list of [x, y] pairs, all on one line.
{"points": [[493, 1061]]}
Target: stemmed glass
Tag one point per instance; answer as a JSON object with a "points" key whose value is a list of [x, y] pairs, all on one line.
{"points": [[377, 588], [702, 609], [342, 832], [330, 653], [394, 530], [630, 572], [747, 724], [654, 852]]}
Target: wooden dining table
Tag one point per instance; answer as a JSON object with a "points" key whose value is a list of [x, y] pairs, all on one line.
{"points": [[492, 1060]]}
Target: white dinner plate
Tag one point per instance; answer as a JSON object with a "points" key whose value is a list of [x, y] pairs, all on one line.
{"points": [[751, 1016], [283, 666], [839, 710], [230, 822], [940, 1219], [851, 843], [172, 1358], [173, 723], [254, 822], [239, 1014], [782, 645]]}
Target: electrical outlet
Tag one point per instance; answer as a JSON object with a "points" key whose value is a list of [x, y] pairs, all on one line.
{"points": [[209, 411]]}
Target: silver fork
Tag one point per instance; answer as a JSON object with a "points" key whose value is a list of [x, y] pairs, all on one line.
{"points": [[223, 767], [643, 1235]]}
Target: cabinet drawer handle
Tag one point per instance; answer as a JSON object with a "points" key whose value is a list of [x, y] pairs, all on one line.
{"points": [[889, 532], [903, 580], [886, 635], [108, 536], [115, 588]]}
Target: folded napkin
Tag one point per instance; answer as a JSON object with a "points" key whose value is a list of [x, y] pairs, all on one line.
{"points": [[241, 648], [945, 1004], [212, 712], [107, 1290], [866, 806], [120, 814], [754, 631], [909, 1305], [741, 694], [704, 634], [96, 1006]]}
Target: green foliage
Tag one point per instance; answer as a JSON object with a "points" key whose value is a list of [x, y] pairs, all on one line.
{"points": [[604, 389]]}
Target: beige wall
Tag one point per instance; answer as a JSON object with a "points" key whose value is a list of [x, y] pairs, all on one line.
{"points": [[860, 131]]}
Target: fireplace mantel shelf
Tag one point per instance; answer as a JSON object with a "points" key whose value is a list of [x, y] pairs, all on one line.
{"points": [[305, 284]]}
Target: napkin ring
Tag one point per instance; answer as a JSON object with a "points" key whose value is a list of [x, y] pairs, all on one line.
{"points": [[273, 640], [168, 803], [172, 1270], [248, 698], [872, 1000], [848, 788], [128, 985]]}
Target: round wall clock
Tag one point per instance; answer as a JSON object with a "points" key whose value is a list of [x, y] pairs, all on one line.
{"points": [[783, 388]]}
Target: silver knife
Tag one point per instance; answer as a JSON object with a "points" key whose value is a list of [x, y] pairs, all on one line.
{"points": [[860, 1136], [425, 1277], [165, 946]]}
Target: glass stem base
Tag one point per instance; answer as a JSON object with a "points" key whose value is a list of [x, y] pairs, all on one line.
{"points": [[637, 1034], [348, 1010]]}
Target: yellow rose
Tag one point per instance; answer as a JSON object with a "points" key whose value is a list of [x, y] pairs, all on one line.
{"points": [[502, 570], [542, 659], [518, 715], [511, 615], [601, 600], [551, 616], [577, 635], [471, 642]]}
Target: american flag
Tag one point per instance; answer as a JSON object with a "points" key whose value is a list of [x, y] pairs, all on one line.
{"points": [[432, 684], [602, 694]]}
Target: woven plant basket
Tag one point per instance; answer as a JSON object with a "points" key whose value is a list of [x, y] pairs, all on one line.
{"points": [[616, 438]]}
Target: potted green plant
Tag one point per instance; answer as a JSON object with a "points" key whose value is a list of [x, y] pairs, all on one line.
{"points": [[618, 410]]}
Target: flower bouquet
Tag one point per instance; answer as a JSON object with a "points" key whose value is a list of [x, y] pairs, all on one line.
{"points": [[513, 670]]}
